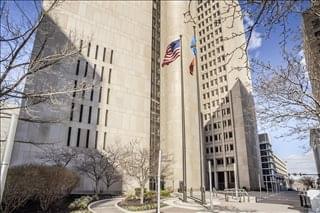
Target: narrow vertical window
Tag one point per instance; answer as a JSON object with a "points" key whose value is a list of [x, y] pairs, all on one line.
{"points": [[98, 116], [102, 72], [71, 113], [108, 94], [86, 70], [100, 94], [78, 137], [78, 67], [109, 79], [81, 111], [104, 140], [87, 138], [69, 136], [97, 50], [75, 88], [89, 115], [83, 92], [81, 44], [111, 57], [92, 93], [94, 71], [96, 140], [89, 46], [104, 55], [106, 118]]}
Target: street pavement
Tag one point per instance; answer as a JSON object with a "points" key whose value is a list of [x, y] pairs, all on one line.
{"points": [[283, 202]]}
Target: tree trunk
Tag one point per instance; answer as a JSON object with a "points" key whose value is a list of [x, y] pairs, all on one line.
{"points": [[141, 194], [97, 188]]}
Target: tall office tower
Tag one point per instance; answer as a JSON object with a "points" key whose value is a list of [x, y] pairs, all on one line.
{"points": [[311, 36], [121, 44], [229, 122]]}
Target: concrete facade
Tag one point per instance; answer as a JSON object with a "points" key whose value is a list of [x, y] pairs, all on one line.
{"points": [[120, 44], [315, 145], [229, 121]]}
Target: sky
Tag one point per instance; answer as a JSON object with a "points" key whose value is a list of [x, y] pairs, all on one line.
{"points": [[288, 149], [295, 152]]}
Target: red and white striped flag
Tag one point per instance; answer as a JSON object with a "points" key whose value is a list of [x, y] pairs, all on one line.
{"points": [[172, 52]]}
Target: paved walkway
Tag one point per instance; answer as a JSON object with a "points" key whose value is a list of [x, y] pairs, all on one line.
{"points": [[283, 202]]}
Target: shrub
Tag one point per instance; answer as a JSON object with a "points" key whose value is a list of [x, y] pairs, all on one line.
{"points": [[47, 184], [80, 203], [138, 190], [165, 193], [19, 188]]}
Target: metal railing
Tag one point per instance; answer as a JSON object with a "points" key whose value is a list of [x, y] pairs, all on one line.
{"points": [[237, 194]]}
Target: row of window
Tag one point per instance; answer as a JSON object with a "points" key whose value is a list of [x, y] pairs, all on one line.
{"points": [[218, 149], [214, 71], [215, 92], [94, 71], [217, 137], [87, 137], [217, 125], [214, 82], [92, 92], [209, 44], [96, 52], [88, 120], [203, 7]]}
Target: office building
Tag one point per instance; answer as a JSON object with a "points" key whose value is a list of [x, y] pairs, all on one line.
{"points": [[229, 122], [122, 44], [311, 43]]}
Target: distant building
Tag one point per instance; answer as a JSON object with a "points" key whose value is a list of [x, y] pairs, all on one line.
{"points": [[274, 170]]}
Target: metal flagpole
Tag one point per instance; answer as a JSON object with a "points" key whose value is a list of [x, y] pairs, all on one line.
{"points": [[159, 177], [203, 198], [184, 163]]}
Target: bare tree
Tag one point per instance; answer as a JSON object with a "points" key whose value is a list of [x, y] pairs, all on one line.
{"points": [[136, 164], [27, 57], [58, 155], [99, 167]]}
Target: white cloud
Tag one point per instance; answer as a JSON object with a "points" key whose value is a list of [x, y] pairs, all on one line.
{"points": [[256, 37], [302, 58], [255, 40], [303, 163]]}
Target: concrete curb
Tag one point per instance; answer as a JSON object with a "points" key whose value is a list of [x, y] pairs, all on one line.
{"points": [[93, 204], [147, 211]]}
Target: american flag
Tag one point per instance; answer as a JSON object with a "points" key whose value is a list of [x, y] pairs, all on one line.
{"points": [[172, 52]]}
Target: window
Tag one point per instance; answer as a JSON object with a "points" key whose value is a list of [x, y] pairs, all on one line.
{"points": [[96, 140], [317, 34], [102, 72], [81, 111], [86, 70], [97, 50], [94, 71], [92, 93], [71, 113], [104, 140], [87, 138], [98, 116], [78, 67], [104, 55], [230, 135], [81, 44], [106, 118], [89, 46], [111, 57], [109, 79], [69, 136], [108, 94], [231, 147], [78, 137], [219, 161], [74, 88], [100, 91], [89, 115]]}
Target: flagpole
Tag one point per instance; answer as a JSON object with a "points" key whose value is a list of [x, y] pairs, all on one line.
{"points": [[202, 191], [184, 164]]}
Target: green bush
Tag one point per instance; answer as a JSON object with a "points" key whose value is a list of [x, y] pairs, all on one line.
{"points": [[164, 193], [80, 203]]}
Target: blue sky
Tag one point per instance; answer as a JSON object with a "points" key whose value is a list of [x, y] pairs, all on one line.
{"points": [[290, 149], [268, 50]]}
